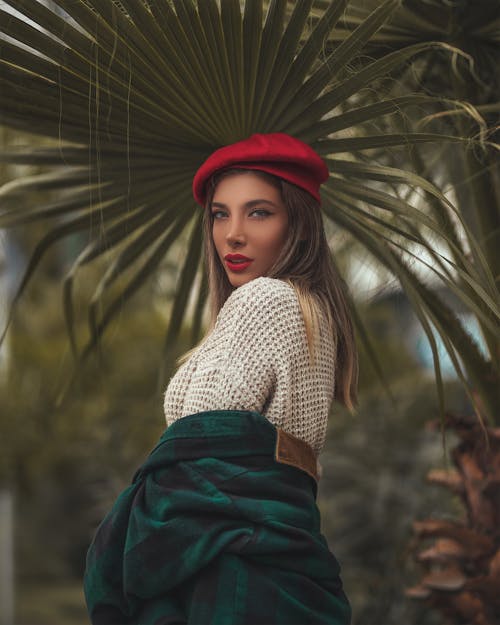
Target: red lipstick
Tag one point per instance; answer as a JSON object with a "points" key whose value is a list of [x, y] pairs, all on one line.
{"points": [[237, 262]]}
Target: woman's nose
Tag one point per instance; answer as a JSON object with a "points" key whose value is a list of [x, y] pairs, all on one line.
{"points": [[235, 232]]}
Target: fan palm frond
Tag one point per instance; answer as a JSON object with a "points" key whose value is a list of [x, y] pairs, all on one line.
{"points": [[133, 96]]}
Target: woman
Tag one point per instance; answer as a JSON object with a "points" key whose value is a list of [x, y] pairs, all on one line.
{"points": [[220, 524]]}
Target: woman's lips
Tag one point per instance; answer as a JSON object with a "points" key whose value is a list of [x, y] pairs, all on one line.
{"points": [[237, 262], [238, 266]]}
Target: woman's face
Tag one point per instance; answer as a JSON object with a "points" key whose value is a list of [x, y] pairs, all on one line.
{"points": [[249, 220]]}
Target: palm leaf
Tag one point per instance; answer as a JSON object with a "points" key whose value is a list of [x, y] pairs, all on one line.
{"points": [[132, 97], [431, 311]]}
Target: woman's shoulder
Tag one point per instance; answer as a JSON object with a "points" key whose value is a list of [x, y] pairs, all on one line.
{"points": [[263, 288], [262, 302], [263, 294], [258, 312]]}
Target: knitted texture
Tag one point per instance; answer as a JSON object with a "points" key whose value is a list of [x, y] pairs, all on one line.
{"points": [[256, 358]]}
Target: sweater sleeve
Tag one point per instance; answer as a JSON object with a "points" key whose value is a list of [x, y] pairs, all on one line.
{"points": [[252, 344]]}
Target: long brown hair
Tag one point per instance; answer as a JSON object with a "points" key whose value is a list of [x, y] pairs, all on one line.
{"points": [[307, 264]]}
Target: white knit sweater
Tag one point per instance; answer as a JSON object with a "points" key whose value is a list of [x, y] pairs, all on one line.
{"points": [[256, 358]]}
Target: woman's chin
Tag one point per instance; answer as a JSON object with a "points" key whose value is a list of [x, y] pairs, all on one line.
{"points": [[237, 280]]}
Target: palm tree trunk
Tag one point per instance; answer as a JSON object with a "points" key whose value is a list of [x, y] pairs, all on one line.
{"points": [[462, 578]]}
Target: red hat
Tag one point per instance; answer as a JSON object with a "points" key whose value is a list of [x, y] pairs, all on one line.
{"points": [[275, 153]]}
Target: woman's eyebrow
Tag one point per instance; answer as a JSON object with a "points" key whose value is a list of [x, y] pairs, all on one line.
{"points": [[260, 201], [248, 204]]}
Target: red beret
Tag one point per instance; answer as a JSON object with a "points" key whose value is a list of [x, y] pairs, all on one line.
{"points": [[275, 153]]}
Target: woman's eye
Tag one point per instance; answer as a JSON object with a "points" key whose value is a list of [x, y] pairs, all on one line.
{"points": [[260, 212], [218, 214]]}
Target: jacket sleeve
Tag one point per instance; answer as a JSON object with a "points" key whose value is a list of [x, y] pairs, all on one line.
{"points": [[251, 346]]}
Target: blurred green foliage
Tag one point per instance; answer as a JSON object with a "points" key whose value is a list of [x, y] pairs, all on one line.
{"points": [[66, 464]]}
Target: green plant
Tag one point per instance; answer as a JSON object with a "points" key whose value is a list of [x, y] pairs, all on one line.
{"points": [[461, 579], [137, 94]]}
